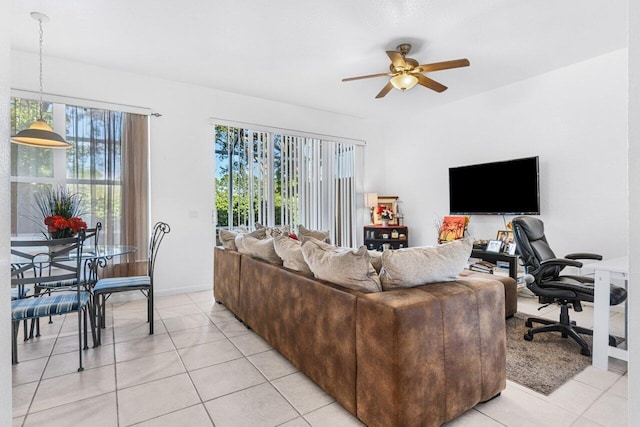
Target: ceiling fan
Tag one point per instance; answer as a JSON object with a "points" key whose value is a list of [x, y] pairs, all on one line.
{"points": [[406, 72]]}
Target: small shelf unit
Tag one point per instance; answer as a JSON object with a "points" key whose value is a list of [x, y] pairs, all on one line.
{"points": [[375, 236]]}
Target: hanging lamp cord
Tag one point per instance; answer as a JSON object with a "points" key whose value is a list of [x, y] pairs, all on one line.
{"points": [[41, 40]]}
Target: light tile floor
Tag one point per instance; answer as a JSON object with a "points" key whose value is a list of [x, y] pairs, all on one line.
{"points": [[202, 367]]}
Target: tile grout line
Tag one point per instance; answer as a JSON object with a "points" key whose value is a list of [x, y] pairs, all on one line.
{"points": [[35, 392], [186, 371]]}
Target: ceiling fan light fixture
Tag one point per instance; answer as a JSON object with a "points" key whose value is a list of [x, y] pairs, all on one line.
{"points": [[404, 81]]}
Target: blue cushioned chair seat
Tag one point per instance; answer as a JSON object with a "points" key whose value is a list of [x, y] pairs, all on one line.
{"points": [[59, 284], [26, 308], [14, 293], [115, 284]]}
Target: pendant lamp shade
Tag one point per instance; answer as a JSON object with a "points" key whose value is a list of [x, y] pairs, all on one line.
{"points": [[40, 133]]}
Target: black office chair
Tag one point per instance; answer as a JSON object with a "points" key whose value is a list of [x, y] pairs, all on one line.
{"points": [[551, 287]]}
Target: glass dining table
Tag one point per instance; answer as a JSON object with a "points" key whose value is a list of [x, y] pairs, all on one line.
{"points": [[94, 257], [97, 257]]}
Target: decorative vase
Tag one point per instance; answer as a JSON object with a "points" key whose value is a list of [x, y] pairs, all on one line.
{"points": [[385, 222], [54, 249]]}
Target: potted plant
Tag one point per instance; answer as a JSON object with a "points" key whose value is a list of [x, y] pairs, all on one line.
{"points": [[385, 215], [61, 211]]}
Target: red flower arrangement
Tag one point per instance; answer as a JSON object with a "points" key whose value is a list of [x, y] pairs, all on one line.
{"points": [[384, 212], [60, 227]]}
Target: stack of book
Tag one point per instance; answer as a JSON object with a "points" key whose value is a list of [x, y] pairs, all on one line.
{"points": [[483, 266]]}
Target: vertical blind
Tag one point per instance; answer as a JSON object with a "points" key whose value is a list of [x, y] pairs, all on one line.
{"points": [[275, 178]]}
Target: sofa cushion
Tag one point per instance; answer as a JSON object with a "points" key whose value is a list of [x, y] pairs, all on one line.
{"points": [[345, 267], [304, 234], [262, 249], [376, 260], [405, 268], [257, 234], [290, 250], [228, 239], [284, 230]]}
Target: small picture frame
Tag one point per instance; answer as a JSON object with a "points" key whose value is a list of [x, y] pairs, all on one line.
{"points": [[511, 249], [390, 203], [494, 246], [505, 236]]}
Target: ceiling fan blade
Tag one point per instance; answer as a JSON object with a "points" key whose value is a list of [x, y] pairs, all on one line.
{"points": [[385, 90], [397, 59], [348, 79], [431, 84], [437, 66]]}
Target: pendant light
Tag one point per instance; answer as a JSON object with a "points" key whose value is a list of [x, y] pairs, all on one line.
{"points": [[40, 134]]}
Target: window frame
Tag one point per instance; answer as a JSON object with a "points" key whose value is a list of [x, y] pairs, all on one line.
{"points": [[59, 156], [321, 163]]}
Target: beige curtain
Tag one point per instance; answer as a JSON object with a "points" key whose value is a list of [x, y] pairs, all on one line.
{"points": [[134, 226]]}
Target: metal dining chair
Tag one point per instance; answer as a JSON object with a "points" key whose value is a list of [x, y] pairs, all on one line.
{"points": [[91, 235], [104, 288], [39, 264], [20, 292]]}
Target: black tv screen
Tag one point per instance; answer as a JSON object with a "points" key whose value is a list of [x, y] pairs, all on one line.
{"points": [[500, 188]]}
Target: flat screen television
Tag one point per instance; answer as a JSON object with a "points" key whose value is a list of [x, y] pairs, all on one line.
{"points": [[508, 187]]}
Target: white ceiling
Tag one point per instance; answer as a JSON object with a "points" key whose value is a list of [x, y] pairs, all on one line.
{"points": [[298, 51]]}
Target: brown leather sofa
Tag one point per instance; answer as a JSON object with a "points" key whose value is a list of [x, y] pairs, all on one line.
{"points": [[510, 289], [410, 357]]}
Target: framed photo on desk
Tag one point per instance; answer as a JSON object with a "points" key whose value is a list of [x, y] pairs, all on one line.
{"points": [[506, 236], [494, 246]]}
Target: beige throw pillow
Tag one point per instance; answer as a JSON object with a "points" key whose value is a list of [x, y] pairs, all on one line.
{"points": [[405, 268], [305, 233], [290, 250], [376, 260], [257, 234], [284, 230], [228, 239], [260, 248], [345, 267]]}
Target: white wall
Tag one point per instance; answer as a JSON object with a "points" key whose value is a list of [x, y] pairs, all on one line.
{"points": [[574, 118], [5, 228], [634, 212], [181, 149]]}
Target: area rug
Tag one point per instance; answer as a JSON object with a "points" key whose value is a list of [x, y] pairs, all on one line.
{"points": [[545, 363]]}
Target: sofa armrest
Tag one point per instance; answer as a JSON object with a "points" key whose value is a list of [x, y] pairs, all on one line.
{"points": [[226, 278], [427, 354], [510, 289]]}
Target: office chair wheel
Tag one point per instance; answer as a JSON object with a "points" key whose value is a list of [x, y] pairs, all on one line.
{"points": [[573, 322], [585, 352], [528, 336], [528, 323]]}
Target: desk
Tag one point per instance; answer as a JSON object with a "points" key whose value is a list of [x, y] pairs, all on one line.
{"points": [[499, 256], [603, 271]]}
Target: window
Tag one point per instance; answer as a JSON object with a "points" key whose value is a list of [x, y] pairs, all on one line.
{"points": [[276, 178], [94, 167]]}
